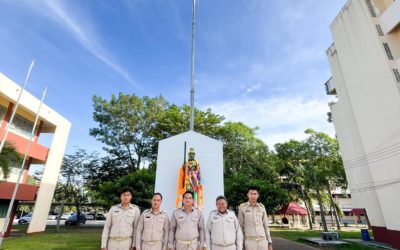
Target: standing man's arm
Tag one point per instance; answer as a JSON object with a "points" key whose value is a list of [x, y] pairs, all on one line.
{"points": [[201, 228], [241, 220], [106, 230], [172, 229], [239, 235], [135, 224], [208, 232], [139, 231], [266, 227], [166, 232]]}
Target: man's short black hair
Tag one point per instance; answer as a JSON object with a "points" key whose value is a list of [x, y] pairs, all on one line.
{"points": [[253, 188], [157, 193], [187, 192], [126, 189], [221, 197]]}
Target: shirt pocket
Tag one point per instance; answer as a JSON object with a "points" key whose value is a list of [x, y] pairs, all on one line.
{"points": [[129, 218], [259, 216], [160, 221], [148, 223], [195, 219]]}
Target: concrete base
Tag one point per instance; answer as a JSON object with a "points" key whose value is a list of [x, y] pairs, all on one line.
{"points": [[325, 243], [371, 243]]}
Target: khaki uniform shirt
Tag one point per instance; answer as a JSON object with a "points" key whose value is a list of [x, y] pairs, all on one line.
{"points": [[254, 220], [121, 222], [186, 226], [152, 227], [223, 230]]}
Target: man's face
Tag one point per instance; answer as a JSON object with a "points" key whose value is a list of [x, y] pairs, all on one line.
{"points": [[253, 195], [156, 201], [126, 197], [222, 205], [188, 200]]}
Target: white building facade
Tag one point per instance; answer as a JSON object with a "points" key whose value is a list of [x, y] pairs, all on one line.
{"points": [[365, 66]]}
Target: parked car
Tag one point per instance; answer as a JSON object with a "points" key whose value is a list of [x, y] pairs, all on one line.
{"points": [[90, 216], [72, 219], [25, 219], [100, 217], [52, 216], [65, 216]]}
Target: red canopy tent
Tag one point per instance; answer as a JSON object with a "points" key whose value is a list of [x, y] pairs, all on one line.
{"points": [[293, 208], [358, 211]]}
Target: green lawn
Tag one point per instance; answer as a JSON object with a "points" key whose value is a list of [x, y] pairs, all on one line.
{"points": [[89, 238], [69, 238]]}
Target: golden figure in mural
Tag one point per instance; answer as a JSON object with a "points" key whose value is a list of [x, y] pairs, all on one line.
{"points": [[189, 179]]}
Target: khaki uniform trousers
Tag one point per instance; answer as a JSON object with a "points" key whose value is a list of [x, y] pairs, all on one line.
{"points": [[183, 246], [119, 244], [156, 245], [217, 247], [256, 245]]}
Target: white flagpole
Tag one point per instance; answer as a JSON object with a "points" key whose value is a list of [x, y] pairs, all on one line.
{"points": [[21, 170], [192, 67], [3, 141]]}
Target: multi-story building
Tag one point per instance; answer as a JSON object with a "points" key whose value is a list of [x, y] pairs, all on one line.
{"points": [[365, 65], [19, 135]]}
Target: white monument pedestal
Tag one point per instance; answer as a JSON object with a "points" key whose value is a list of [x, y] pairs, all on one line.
{"points": [[209, 154]]}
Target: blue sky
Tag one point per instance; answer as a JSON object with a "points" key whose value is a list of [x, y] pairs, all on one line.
{"points": [[257, 61]]}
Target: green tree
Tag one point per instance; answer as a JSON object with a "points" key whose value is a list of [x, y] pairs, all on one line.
{"points": [[72, 183], [141, 181], [8, 157], [125, 126]]}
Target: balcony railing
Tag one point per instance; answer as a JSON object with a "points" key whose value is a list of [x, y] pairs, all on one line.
{"points": [[330, 87]]}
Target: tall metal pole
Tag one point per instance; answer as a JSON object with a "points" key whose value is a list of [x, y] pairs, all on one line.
{"points": [[3, 140], [21, 170], [192, 71]]}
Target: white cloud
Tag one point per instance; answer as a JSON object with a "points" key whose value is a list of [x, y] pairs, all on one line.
{"points": [[81, 29], [280, 118]]}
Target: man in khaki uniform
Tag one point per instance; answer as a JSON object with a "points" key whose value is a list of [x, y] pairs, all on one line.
{"points": [[187, 226], [223, 230], [120, 228], [253, 220], [153, 227]]}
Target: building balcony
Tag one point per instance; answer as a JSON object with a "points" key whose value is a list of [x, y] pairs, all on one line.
{"points": [[25, 192], [37, 152], [330, 87], [390, 19]]}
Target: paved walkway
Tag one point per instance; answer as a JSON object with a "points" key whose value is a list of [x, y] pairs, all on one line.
{"points": [[282, 244]]}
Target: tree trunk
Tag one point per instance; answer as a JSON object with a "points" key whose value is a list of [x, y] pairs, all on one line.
{"points": [[321, 208], [78, 213], [59, 216], [305, 198], [334, 207]]}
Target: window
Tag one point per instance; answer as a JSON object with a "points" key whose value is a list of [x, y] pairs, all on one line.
{"points": [[371, 8], [397, 74], [3, 111], [22, 125], [379, 29], [388, 52]]}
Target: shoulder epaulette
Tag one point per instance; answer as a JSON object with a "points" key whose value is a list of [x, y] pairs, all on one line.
{"points": [[244, 203], [147, 210], [163, 211], [261, 205]]}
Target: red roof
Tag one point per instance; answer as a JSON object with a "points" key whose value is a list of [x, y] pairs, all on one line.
{"points": [[293, 208], [358, 211]]}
